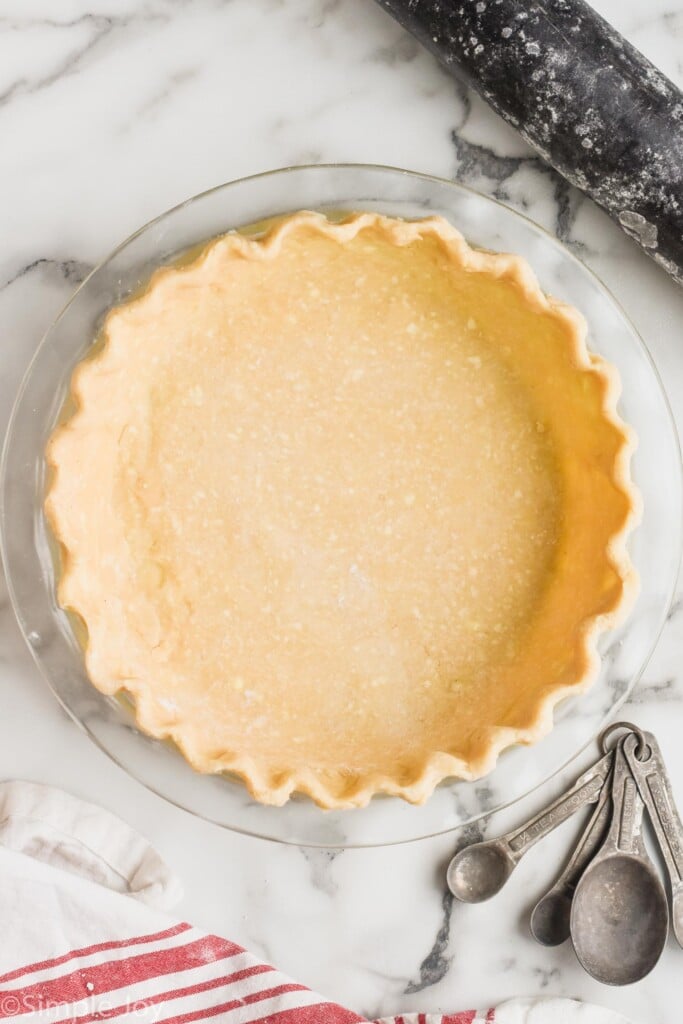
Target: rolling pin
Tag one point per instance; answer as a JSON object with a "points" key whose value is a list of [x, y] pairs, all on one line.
{"points": [[593, 107]]}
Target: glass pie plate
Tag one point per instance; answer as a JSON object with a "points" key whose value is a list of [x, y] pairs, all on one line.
{"points": [[28, 555]]}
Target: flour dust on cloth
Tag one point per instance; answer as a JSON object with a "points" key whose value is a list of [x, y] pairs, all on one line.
{"points": [[84, 937]]}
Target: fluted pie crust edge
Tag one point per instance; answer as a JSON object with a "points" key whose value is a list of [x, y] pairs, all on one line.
{"points": [[414, 782]]}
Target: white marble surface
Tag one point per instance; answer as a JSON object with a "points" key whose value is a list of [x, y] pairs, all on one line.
{"points": [[109, 113]]}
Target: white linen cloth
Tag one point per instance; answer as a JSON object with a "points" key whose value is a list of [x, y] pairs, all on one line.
{"points": [[84, 937]]}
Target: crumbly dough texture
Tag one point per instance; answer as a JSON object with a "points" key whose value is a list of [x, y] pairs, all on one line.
{"points": [[343, 507]]}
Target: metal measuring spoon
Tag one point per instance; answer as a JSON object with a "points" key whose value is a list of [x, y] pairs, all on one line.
{"points": [[550, 916], [481, 870], [648, 769], [620, 917]]}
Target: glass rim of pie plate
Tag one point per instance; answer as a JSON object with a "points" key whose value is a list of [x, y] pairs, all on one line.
{"points": [[28, 556]]}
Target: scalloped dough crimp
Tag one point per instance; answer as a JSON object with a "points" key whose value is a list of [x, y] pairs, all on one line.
{"points": [[343, 507]]}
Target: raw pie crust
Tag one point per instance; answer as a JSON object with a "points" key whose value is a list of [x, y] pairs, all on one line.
{"points": [[343, 507]]}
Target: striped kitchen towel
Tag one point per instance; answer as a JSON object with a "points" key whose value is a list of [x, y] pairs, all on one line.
{"points": [[84, 938]]}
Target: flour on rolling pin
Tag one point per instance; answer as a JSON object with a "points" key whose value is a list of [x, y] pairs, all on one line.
{"points": [[595, 109]]}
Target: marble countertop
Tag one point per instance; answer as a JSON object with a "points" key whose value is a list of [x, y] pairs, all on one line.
{"points": [[109, 114]]}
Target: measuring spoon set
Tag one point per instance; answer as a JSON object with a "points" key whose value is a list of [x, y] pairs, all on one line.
{"points": [[609, 898]]}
